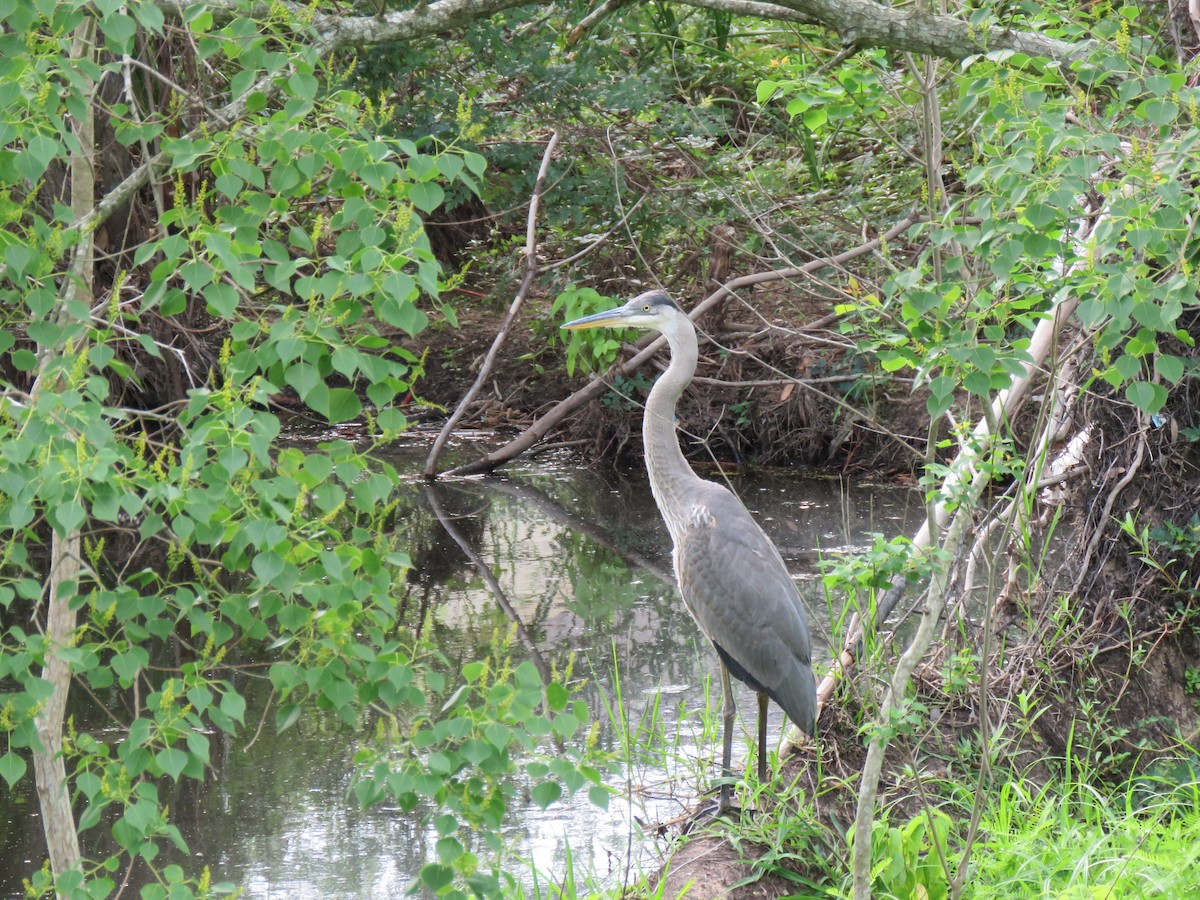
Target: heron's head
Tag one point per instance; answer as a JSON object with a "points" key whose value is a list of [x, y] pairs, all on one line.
{"points": [[653, 309]]}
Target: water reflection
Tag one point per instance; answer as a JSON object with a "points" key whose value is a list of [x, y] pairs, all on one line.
{"points": [[583, 559]]}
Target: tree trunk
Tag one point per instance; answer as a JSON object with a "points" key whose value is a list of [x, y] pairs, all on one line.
{"points": [[62, 582], [54, 798]]}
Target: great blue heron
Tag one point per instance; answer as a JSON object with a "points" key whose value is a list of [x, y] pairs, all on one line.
{"points": [[732, 579]]}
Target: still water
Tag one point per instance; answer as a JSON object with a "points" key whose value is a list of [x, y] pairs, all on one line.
{"points": [[584, 561]]}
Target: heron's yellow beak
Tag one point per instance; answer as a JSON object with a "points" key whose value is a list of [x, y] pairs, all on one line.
{"points": [[617, 317]]}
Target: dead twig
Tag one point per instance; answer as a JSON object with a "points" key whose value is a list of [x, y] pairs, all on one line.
{"points": [[600, 241], [1103, 519], [531, 270]]}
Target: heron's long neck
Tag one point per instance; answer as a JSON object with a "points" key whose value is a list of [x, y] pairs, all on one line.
{"points": [[670, 474]]}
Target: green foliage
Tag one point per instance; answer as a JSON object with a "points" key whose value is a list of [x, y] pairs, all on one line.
{"points": [[906, 862], [873, 569], [594, 348], [1191, 680], [1042, 837], [658, 78], [1169, 549], [828, 105], [292, 230], [1068, 840], [452, 762], [625, 388], [960, 317]]}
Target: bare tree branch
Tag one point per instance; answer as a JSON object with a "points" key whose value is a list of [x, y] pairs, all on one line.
{"points": [[66, 542], [531, 270], [865, 23]]}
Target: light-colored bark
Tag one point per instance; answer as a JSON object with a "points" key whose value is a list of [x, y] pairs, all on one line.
{"points": [[50, 775], [49, 771], [867, 23], [961, 489]]}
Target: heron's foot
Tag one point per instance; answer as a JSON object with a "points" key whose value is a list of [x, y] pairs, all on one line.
{"points": [[712, 810], [718, 804]]}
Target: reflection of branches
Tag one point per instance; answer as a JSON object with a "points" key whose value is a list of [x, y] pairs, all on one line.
{"points": [[554, 511], [447, 523]]}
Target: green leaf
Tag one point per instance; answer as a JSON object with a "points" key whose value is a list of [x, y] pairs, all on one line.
{"points": [[344, 405], [12, 767], [497, 735], [172, 761], [404, 315], [303, 85], [814, 118], [268, 566], [476, 162], [287, 716], [1147, 397], [70, 515], [36, 158], [19, 258], [426, 195], [221, 299], [598, 795], [978, 383], [1040, 215], [1128, 367], [150, 16], [546, 793], [1169, 367], [304, 378], [556, 696], [91, 816], [1160, 112], [127, 665], [448, 849], [118, 31], [198, 747], [233, 705], [435, 876]]}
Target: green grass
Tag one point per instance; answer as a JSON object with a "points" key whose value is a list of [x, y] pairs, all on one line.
{"points": [[1065, 833], [1064, 839], [1073, 840]]}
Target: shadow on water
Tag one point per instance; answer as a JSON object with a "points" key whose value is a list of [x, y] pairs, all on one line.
{"points": [[583, 561]]}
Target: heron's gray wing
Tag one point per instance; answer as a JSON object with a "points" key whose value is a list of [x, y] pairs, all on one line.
{"points": [[738, 589]]}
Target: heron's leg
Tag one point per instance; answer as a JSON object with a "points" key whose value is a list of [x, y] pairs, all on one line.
{"points": [[727, 713], [762, 737]]}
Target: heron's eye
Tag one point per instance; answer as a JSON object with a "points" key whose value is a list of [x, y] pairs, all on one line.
{"points": [[646, 308]]}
